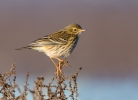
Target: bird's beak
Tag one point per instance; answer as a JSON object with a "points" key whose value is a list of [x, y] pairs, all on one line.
{"points": [[83, 30]]}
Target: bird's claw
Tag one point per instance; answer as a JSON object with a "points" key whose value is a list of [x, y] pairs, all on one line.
{"points": [[64, 63]]}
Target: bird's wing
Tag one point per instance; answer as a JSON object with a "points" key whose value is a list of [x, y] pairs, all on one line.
{"points": [[52, 39]]}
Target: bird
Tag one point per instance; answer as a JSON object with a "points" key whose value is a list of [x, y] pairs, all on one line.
{"points": [[57, 44]]}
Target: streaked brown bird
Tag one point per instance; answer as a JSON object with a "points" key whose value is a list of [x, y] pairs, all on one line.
{"points": [[58, 44]]}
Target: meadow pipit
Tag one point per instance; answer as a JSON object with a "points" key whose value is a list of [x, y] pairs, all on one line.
{"points": [[58, 44]]}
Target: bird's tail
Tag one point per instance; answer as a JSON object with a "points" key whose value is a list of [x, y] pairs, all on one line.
{"points": [[27, 47]]}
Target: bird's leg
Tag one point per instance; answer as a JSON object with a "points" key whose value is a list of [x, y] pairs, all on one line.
{"points": [[61, 64], [60, 60], [55, 65]]}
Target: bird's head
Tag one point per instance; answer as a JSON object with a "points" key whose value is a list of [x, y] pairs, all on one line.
{"points": [[74, 29]]}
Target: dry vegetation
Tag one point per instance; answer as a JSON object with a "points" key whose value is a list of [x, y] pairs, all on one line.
{"points": [[55, 89]]}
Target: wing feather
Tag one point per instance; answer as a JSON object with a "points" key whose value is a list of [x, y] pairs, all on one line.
{"points": [[57, 38]]}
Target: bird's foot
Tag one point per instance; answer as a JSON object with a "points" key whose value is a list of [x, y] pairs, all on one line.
{"points": [[63, 63]]}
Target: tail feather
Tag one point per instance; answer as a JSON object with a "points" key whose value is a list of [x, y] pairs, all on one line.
{"points": [[27, 47]]}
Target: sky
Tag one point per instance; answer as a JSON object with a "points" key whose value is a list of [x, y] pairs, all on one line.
{"points": [[107, 51]]}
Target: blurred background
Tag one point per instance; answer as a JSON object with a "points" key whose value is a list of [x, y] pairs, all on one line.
{"points": [[107, 51]]}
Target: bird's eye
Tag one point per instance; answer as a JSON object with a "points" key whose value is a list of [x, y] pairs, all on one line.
{"points": [[75, 29]]}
